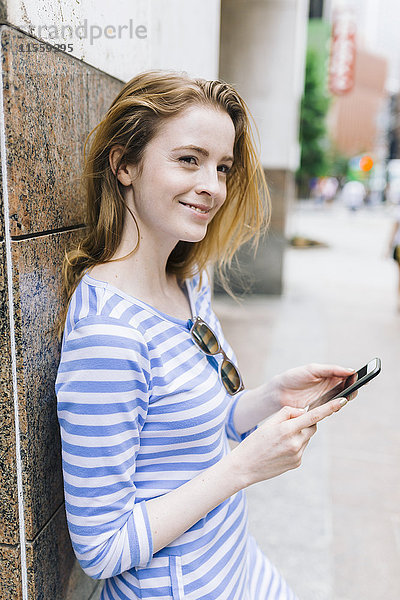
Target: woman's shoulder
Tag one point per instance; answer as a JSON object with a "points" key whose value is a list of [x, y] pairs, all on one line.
{"points": [[201, 281], [91, 332], [93, 303], [201, 292]]}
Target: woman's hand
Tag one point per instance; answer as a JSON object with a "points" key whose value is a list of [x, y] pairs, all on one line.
{"points": [[277, 445], [300, 386]]}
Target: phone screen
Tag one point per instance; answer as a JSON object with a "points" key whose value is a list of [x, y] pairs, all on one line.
{"points": [[372, 367]]}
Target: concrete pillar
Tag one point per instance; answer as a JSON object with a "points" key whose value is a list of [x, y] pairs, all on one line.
{"points": [[263, 53]]}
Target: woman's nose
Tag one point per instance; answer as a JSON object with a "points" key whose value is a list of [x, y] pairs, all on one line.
{"points": [[209, 183]]}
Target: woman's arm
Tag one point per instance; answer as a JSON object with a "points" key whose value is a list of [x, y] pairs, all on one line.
{"points": [[102, 394], [254, 405], [273, 448], [296, 387], [102, 391]]}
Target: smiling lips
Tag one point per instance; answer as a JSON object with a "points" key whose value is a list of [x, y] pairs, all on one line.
{"points": [[201, 208]]}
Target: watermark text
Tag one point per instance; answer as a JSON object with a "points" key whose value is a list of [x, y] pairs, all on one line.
{"points": [[85, 31]]}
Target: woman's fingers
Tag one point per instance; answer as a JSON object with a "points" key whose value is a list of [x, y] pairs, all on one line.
{"points": [[309, 432], [315, 415], [306, 434], [285, 413], [325, 371]]}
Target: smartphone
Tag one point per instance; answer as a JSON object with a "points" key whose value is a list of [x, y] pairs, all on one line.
{"points": [[349, 385]]}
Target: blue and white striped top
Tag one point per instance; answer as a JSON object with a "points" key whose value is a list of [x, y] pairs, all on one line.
{"points": [[142, 410]]}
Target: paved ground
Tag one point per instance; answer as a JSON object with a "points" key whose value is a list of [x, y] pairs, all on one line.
{"points": [[333, 526]]}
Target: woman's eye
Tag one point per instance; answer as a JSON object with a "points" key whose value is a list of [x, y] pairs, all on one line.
{"points": [[192, 160], [189, 159]]}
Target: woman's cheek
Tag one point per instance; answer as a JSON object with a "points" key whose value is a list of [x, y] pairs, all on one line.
{"points": [[221, 203]]}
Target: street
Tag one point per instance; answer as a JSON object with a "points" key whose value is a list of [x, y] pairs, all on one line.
{"points": [[332, 527]]}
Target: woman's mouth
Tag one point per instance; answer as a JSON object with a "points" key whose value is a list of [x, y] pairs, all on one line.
{"points": [[201, 210]]}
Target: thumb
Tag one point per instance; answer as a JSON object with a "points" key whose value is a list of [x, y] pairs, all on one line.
{"points": [[286, 413]]}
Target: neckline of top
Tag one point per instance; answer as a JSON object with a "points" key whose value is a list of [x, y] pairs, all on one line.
{"points": [[104, 284]]}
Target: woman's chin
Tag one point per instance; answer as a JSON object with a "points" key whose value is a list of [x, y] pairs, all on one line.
{"points": [[195, 236]]}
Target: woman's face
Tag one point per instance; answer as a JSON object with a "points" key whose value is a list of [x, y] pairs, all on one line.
{"points": [[183, 180]]}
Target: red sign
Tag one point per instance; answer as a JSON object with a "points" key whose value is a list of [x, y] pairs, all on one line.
{"points": [[343, 54]]}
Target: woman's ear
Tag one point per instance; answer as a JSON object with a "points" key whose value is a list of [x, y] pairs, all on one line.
{"points": [[123, 174]]}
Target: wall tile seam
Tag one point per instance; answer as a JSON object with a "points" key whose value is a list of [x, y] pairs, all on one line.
{"points": [[8, 546], [10, 298], [44, 233], [30, 542], [96, 590]]}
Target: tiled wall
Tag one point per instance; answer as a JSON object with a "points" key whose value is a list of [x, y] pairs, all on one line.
{"points": [[50, 103]]}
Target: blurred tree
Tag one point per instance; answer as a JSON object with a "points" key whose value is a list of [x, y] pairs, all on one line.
{"points": [[338, 164], [313, 135]]}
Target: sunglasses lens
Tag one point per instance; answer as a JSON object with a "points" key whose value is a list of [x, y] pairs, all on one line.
{"points": [[208, 343], [230, 376], [205, 338]]}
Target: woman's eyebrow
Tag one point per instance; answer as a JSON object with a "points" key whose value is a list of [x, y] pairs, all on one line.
{"points": [[202, 151]]}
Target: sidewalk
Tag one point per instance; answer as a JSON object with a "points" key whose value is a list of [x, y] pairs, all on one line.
{"points": [[333, 526]]}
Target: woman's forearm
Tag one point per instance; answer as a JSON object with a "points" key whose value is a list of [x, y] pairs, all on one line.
{"points": [[274, 448], [255, 405], [174, 513]]}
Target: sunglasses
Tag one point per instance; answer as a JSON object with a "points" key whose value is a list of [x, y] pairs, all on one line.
{"points": [[207, 341]]}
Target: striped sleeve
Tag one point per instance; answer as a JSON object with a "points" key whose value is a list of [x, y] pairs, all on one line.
{"points": [[230, 428], [102, 389]]}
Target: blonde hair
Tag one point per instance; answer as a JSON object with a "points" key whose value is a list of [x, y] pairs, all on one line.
{"points": [[133, 119]]}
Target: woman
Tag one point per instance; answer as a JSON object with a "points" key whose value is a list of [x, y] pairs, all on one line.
{"points": [[148, 388]]}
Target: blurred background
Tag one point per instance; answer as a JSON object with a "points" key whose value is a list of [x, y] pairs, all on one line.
{"points": [[322, 81], [326, 100]]}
